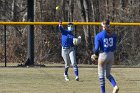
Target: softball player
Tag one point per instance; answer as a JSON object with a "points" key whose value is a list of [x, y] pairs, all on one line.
{"points": [[105, 45], [68, 50]]}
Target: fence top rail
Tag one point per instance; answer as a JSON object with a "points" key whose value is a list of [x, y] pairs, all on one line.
{"points": [[75, 23]]}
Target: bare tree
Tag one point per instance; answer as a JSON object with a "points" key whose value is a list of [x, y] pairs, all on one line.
{"points": [[71, 10]]}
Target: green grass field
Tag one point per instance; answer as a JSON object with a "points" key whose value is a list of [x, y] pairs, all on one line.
{"points": [[51, 80]]}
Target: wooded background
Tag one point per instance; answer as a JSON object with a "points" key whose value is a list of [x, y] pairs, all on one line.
{"points": [[48, 38]]}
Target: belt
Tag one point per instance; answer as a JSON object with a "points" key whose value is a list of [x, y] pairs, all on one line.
{"points": [[67, 47]]}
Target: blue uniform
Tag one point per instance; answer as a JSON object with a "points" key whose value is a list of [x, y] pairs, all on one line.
{"points": [[67, 37], [105, 45], [105, 42], [68, 52]]}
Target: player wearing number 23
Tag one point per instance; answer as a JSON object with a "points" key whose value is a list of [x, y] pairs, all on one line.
{"points": [[105, 45]]}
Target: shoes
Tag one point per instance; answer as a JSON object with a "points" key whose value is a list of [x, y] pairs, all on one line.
{"points": [[66, 77], [115, 89], [77, 78]]}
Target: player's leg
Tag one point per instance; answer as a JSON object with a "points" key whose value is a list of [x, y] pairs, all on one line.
{"points": [[65, 55], [112, 80], [108, 73], [101, 71], [74, 64], [109, 76]]}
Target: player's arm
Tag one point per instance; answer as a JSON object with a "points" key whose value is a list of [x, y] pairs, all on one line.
{"points": [[97, 45], [61, 27]]}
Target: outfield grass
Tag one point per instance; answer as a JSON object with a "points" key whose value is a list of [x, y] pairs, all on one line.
{"points": [[51, 80]]}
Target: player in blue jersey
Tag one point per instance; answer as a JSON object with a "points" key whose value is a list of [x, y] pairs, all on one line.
{"points": [[105, 45], [68, 50]]}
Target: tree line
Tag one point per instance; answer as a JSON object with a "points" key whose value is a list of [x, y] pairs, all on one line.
{"points": [[47, 38]]}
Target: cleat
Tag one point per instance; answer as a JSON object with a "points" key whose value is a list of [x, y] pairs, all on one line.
{"points": [[66, 77], [115, 89], [77, 78]]}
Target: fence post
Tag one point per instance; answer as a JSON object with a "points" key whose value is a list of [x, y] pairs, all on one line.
{"points": [[30, 16], [5, 55]]}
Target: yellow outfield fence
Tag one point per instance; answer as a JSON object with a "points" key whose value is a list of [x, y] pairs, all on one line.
{"points": [[75, 23], [15, 42]]}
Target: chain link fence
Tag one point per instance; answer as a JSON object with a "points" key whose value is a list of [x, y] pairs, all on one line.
{"points": [[47, 43]]}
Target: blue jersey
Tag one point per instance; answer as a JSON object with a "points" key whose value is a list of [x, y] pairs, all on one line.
{"points": [[104, 42], [67, 37]]}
